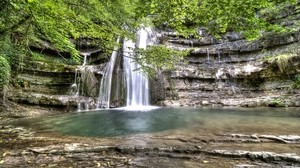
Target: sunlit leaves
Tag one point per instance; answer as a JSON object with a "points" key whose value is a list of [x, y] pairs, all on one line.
{"points": [[158, 57], [58, 21], [218, 16], [4, 72]]}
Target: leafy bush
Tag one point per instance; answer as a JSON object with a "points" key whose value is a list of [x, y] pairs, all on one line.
{"points": [[4, 72], [10, 51], [276, 102], [158, 57], [282, 60], [296, 83]]}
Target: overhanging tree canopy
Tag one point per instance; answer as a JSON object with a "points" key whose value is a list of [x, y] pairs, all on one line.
{"points": [[58, 21], [218, 16]]}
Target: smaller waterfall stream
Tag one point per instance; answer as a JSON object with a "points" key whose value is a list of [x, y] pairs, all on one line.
{"points": [[85, 58], [208, 56], [105, 86], [219, 56], [79, 82]]}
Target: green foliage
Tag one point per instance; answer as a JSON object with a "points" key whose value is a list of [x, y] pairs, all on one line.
{"points": [[4, 72], [296, 83], [218, 16], [11, 51], [50, 59], [158, 57], [57, 21], [276, 102], [282, 61]]}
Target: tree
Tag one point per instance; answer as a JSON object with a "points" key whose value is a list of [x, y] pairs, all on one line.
{"points": [[57, 21], [218, 16], [4, 77]]}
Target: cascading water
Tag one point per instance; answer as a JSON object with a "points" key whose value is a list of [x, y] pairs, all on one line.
{"points": [[77, 87], [106, 81], [208, 56], [219, 56], [137, 84]]}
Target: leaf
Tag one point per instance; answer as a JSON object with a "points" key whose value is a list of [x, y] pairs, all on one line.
{"points": [[15, 5], [2, 161]]}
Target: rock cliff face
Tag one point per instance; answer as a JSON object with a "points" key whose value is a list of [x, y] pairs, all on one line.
{"points": [[48, 79], [43, 83], [228, 71], [234, 72], [218, 72]]}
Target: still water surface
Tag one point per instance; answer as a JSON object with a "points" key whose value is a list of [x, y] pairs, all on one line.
{"points": [[120, 122]]}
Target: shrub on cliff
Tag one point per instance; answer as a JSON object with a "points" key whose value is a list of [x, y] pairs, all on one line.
{"points": [[296, 83], [4, 72], [4, 76]]}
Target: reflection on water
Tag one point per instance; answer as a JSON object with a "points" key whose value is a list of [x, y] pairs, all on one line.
{"points": [[107, 123]]}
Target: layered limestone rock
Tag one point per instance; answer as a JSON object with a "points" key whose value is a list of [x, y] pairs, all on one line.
{"points": [[43, 83], [231, 71], [234, 72], [226, 71], [218, 72]]}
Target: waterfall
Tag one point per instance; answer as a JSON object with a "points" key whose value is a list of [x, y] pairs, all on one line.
{"points": [[207, 52], [219, 56], [85, 58], [106, 81], [79, 86], [137, 82]]}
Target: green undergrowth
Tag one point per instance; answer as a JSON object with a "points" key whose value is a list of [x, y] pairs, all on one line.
{"points": [[281, 60], [296, 82], [35, 56], [4, 72], [157, 58], [276, 102]]}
